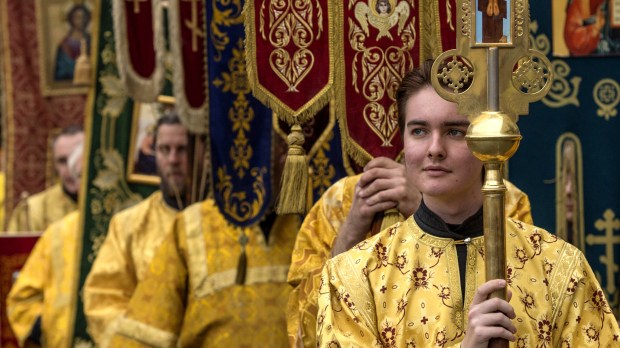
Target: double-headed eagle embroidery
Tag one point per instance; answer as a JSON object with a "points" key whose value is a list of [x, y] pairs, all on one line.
{"points": [[381, 17]]}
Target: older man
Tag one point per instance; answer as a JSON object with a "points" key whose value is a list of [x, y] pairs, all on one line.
{"points": [[40, 305], [37, 212], [135, 233]]}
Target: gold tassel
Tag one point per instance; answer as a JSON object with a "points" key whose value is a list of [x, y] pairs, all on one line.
{"points": [[242, 263], [293, 187], [83, 70], [390, 217]]}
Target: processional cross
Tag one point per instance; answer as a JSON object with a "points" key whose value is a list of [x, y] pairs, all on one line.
{"points": [[493, 83], [194, 25]]}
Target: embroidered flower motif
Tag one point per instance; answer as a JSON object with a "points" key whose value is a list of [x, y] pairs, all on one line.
{"points": [[444, 293], [528, 301], [410, 344], [392, 230], [548, 267], [535, 239], [522, 342], [347, 300], [402, 304], [381, 254], [333, 344], [519, 224], [420, 277], [591, 333], [598, 299], [437, 252], [544, 330], [401, 260], [510, 274], [388, 336], [441, 339], [521, 255], [572, 286]]}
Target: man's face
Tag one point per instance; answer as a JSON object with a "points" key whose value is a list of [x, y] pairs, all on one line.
{"points": [[436, 154], [171, 157], [63, 146]]}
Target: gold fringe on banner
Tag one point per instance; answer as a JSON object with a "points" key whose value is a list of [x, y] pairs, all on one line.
{"points": [[140, 89], [293, 188]]}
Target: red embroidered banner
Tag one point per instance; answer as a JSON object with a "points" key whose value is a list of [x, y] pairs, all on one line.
{"points": [[140, 47], [188, 33], [290, 56], [379, 41]]}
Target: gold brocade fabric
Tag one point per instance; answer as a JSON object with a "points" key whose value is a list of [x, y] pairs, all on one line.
{"points": [[46, 286], [37, 212], [313, 248], [383, 294], [189, 298], [133, 237]]}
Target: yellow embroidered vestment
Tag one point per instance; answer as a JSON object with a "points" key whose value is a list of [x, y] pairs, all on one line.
{"points": [[313, 248], [190, 297], [37, 212], [401, 288], [133, 237], [46, 286]]}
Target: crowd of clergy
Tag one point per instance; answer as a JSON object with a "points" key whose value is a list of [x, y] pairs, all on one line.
{"points": [[173, 274]]}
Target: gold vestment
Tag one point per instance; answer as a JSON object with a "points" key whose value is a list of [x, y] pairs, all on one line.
{"points": [[133, 237], [46, 286], [401, 288], [190, 297], [314, 243], [37, 212]]}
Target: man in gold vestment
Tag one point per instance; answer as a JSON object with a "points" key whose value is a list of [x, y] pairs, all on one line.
{"points": [[40, 305], [421, 282], [330, 229], [37, 212], [212, 284], [135, 233]]}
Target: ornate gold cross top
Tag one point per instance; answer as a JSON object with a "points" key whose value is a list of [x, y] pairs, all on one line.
{"points": [[194, 25], [136, 5], [523, 75]]}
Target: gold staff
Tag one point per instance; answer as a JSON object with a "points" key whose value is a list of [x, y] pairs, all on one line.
{"points": [[493, 76]]}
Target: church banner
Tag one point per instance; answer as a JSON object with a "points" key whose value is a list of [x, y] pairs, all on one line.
{"points": [[188, 35], [379, 42], [240, 126], [141, 46], [290, 55]]}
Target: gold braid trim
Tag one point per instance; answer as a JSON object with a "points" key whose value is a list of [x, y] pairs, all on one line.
{"points": [[283, 111], [349, 274], [139, 88], [146, 334], [561, 274], [196, 248], [254, 275]]}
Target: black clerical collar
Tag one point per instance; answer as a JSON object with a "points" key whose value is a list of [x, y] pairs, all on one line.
{"points": [[172, 201], [431, 223], [73, 196]]}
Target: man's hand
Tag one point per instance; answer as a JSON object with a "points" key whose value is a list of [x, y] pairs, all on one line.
{"points": [[382, 186], [489, 318]]}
